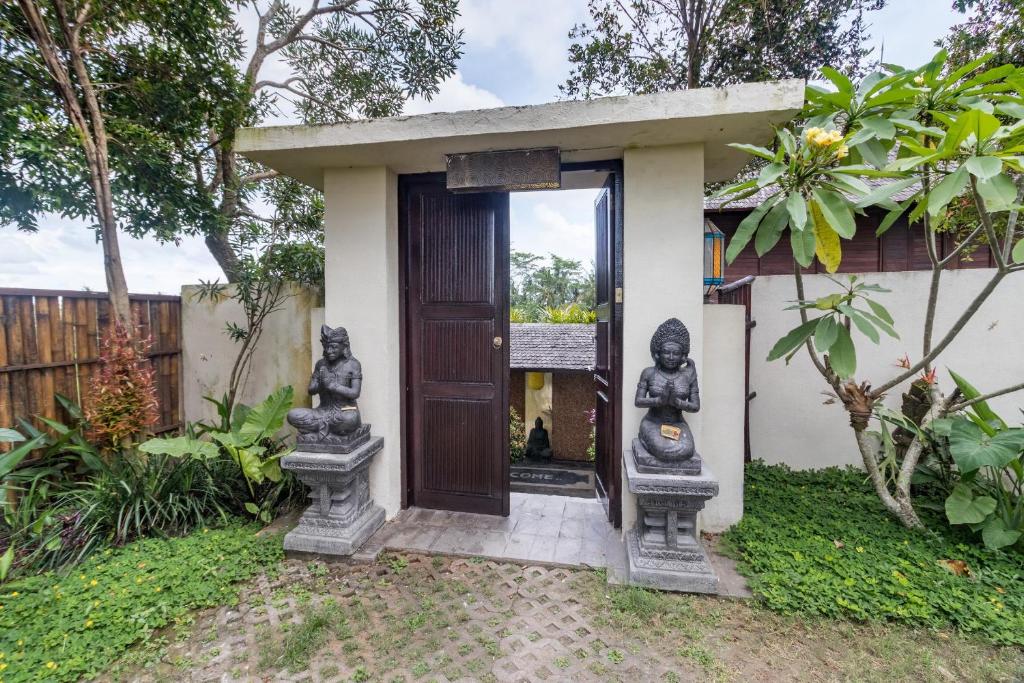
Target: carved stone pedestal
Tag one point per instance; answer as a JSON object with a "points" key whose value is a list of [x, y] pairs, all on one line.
{"points": [[664, 549], [342, 515]]}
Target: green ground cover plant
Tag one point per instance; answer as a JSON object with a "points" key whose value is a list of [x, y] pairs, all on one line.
{"points": [[820, 543], [66, 626]]}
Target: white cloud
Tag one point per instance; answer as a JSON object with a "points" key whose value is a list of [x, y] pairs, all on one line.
{"points": [[559, 222], [64, 254], [454, 95]]}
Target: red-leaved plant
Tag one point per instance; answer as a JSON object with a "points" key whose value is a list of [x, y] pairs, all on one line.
{"points": [[122, 400]]}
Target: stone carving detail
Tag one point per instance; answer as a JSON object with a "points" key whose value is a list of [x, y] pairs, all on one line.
{"points": [[668, 478], [668, 389], [342, 515], [335, 425]]}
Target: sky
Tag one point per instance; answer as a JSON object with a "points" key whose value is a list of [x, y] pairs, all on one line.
{"points": [[515, 53]]}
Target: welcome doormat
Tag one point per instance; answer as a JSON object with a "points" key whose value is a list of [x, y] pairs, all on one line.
{"points": [[557, 479]]}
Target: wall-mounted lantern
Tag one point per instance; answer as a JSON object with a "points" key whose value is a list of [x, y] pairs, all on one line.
{"points": [[714, 258]]}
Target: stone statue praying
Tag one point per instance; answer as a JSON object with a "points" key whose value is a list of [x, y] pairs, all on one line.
{"points": [[667, 390], [335, 425]]}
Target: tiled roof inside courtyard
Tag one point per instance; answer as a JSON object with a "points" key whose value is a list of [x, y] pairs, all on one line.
{"points": [[546, 346]]}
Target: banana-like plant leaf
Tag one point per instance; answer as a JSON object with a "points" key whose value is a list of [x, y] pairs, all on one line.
{"points": [[962, 507], [973, 449], [997, 535], [265, 419]]}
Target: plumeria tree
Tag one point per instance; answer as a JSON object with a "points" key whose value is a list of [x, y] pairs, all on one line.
{"points": [[951, 139]]}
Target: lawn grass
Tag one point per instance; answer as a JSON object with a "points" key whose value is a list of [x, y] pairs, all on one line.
{"points": [[819, 543], [63, 627]]}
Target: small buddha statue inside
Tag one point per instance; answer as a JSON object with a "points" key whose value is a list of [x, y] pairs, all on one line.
{"points": [[667, 390], [538, 445]]}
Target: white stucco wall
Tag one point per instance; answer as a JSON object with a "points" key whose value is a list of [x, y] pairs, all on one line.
{"points": [[361, 293], [281, 357], [722, 401], [789, 422], [663, 247]]}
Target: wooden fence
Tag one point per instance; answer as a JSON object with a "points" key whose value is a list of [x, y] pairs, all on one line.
{"points": [[49, 345]]}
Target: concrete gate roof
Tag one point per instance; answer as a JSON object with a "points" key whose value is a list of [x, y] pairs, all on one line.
{"points": [[584, 130]]}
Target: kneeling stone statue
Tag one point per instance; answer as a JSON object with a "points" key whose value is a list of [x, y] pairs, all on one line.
{"points": [[666, 475], [333, 453]]}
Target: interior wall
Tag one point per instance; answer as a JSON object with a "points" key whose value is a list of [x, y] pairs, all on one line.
{"points": [[663, 238], [791, 419], [362, 294], [572, 399]]}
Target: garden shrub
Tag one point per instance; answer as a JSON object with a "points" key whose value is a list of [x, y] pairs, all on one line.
{"points": [[819, 542], [122, 399], [516, 436], [56, 627]]}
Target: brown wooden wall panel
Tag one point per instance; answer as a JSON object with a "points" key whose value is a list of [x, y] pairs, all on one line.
{"points": [[458, 460], [517, 392], [457, 350], [458, 254], [572, 399], [901, 248], [50, 345]]}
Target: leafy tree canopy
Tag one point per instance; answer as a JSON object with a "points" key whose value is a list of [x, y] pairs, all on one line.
{"points": [[161, 71], [645, 46], [550, 290], [993, 26]]}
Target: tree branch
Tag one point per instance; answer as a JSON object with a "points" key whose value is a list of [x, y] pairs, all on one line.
{"points": [[984, 397], [990, 230], [256, 177], [825, 372]]}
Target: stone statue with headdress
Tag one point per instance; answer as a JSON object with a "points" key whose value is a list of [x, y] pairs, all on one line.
{"points": [[333, 426], [667, 390]]}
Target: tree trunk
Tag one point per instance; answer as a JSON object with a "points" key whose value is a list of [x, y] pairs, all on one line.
{"points": [[222, 252]]}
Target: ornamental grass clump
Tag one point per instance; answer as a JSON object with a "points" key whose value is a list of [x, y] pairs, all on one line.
{"points": [[122, 401]]}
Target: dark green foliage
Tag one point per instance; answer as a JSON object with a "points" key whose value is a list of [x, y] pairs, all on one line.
{"points": [[820, 543], [991, 27], [560, 291], [162, 69], [645, 46], [64, 627]]}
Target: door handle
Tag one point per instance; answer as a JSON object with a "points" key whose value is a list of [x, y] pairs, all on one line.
{"points": [[496, 343]]}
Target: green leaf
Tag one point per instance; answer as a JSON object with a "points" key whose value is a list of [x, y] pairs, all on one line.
{"points": [[803, 243], [984, 167], [1018, 252], [792, 340], [10, 460], [880, 126], [996, 534], [880, 310], [745, 230], [842, 356], [252, 466], [770, 173], [999, 192], [973, 449], [963, 508], [838, 79], [272, 469], [873, 152], [6, 560], [265, 419], [797, 208], [837, 213], [825, 333], [861, 323], [753, 149], [946, 189], [252, 509], [10, 435], [180, 446], [883, 192], [770, 230], [982, 408]]}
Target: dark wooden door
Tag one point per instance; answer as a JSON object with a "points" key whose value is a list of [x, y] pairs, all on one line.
{"points": [[456, 255], [608, 364]]}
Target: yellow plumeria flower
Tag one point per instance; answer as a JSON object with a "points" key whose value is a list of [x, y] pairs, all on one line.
{"points": [[812, 132], [834, 136], [842, 152], [919, 80]]}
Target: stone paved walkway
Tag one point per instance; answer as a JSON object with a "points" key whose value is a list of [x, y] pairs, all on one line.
{"points": [[540, 528]]}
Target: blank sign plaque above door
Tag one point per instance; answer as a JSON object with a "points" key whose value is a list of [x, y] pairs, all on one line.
{"points": [[505, 171]]}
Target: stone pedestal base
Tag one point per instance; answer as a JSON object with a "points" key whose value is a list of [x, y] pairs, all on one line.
{"points": [[664, 549], [342, 515]]}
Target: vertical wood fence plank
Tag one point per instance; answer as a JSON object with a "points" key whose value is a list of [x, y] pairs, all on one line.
{"points": [[6, 410], [44, 346], [15, 352], [58, 352]]}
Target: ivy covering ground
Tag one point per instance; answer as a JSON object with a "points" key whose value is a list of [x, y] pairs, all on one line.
{"points": [[57, 627], [819, 542]]}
